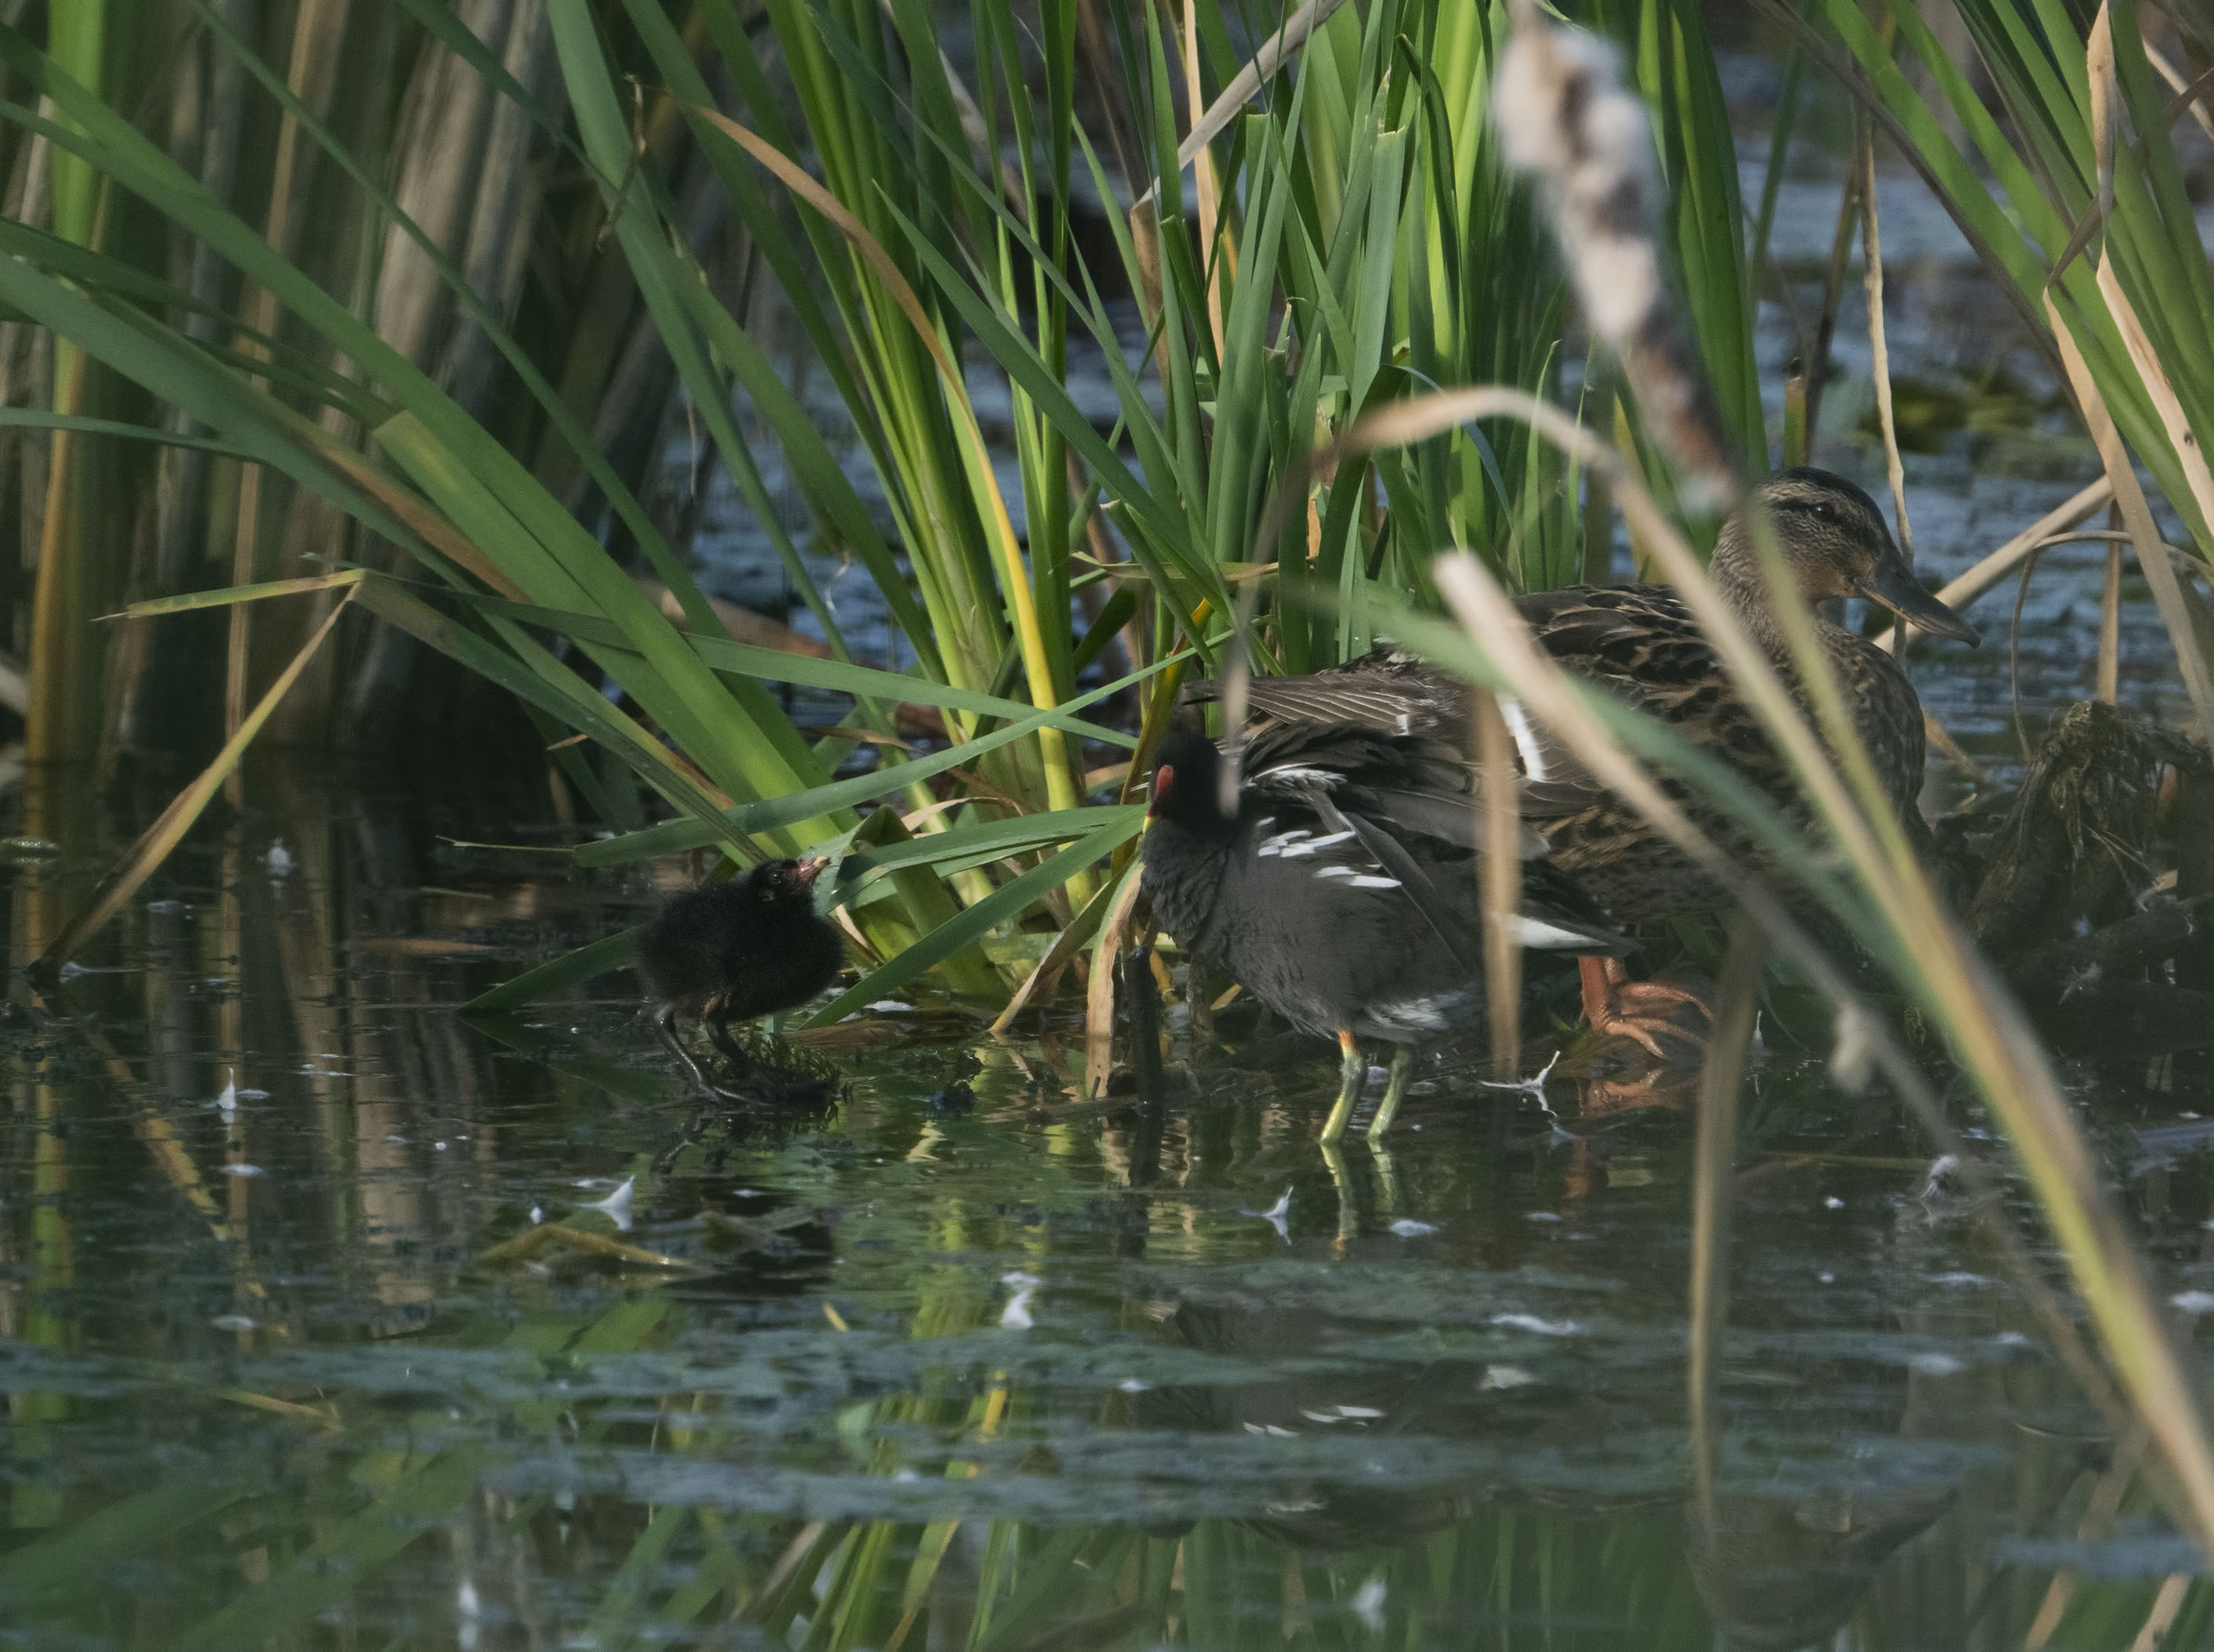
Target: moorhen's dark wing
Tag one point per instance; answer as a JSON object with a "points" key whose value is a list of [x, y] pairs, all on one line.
{"points": [[680, 955], [747, 951], [1389, 735], [1339, 922]]}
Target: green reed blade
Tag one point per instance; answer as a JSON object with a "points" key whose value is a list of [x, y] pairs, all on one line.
{"points": [[1002, 906]]}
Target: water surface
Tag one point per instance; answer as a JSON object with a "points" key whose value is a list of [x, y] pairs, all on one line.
{"points": [[953, 1360]]}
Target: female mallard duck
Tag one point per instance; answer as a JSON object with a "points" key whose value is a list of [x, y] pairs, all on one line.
{"points": [[1338, 888]]}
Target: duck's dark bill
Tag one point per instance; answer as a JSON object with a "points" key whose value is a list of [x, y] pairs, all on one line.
{"points": [[1893, 584]]}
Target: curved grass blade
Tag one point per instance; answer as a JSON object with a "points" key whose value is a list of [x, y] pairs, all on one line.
{"points": [[169, 827], [501, 471], [675, 836], [975, 845], [534, 676], [145, 352], [975, 458], [757, 755], [597, 957], [683, 304], [34, 418], [193, 600], [1002, 906]]}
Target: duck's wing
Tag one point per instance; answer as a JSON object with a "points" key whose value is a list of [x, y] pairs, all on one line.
{"points": [[1389, 735], [1642, 643], [1382, 692], [1639, 641]]}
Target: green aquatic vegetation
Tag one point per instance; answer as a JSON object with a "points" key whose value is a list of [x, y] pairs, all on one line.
{"points": [[1346, 238]]}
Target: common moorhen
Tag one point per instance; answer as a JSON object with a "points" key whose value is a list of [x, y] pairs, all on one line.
{"points": [[735, 949], [1591, 860], [1341, 890]]}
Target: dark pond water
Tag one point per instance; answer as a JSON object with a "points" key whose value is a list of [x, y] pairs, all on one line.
{"points": [[291, 1361]]}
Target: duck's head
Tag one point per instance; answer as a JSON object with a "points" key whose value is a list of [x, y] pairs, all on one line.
{"points": [[1836, 543], [1186, 788]]}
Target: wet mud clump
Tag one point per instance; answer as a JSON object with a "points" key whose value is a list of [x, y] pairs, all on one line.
{"points": [[2095, 895]]}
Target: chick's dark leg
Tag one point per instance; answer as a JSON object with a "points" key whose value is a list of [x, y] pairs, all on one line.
{"points": [[719, 1035], [664, 1024], [1353, 1072]]}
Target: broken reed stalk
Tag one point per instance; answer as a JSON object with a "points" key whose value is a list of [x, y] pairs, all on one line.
{"points": [[2110, 614], [1499, 830], [1244, 86], [1964, 589], [1589, 141], [2137, 514], [169, 827], [1879, 350]]}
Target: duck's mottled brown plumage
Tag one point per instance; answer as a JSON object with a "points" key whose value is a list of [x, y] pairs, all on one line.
{"points": [[1641, 644]]}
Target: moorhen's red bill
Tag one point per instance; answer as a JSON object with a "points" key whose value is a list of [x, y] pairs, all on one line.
{"points": [[737, 950]]}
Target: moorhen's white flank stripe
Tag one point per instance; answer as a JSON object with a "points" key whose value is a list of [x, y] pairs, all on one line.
{"points": [[1525, 739]]}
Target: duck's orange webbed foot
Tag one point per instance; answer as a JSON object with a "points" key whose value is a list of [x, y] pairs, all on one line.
{"points": [[1669, 1019]]}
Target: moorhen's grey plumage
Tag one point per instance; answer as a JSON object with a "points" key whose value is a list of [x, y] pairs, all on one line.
{"points": [[733, 950], [1341, 890]]}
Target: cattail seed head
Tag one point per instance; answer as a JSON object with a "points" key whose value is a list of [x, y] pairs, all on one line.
{"points": [[1563, 115]]}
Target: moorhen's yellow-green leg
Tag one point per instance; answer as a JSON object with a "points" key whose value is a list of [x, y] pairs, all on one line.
{"points": [[664, 1026], [1403, 1069], [719, 1035], [1353, 1073]]}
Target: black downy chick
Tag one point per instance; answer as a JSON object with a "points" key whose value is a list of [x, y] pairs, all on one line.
{"points": [[734, 951]]}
